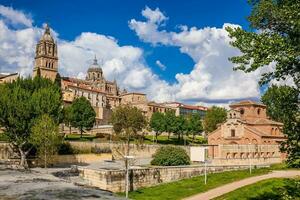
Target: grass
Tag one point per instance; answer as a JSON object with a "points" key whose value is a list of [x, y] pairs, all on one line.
{"points": [[275, 189], [188, 187], [3, 137], [162, 139]]}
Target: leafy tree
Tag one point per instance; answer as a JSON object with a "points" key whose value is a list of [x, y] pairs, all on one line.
{"points": [[81, 114], [127, 122], [277, 41], [194, 125], [180, 126], [283, 105], [67, 117], [214, 116], [45, 137], [158, 123], [170, 120], [21, 103]]}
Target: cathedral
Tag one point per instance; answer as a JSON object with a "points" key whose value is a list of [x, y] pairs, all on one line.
{"points": [[102, 94]]}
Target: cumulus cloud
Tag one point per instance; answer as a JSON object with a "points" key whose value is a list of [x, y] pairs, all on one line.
{"points": [[212, 78], [15, 17], [160, 65]]}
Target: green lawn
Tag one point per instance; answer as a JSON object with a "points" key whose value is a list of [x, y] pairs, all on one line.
{"points": [[273, 189], [192, 186], [3, 137], [162, 139]]}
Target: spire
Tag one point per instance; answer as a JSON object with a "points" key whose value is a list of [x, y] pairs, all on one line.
{"points": [[95, 60], [47, 29]]}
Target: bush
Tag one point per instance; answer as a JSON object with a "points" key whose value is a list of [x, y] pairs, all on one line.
{"points": [[170, 156], [98, 150]]}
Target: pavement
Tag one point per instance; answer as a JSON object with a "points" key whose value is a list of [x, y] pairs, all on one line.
{"points": [[213, 193], [47, 184]]}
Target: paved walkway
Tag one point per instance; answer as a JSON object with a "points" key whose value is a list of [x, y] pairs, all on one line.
{"points": [[213, 193]]}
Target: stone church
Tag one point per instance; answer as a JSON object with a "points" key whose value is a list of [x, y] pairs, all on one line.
{"points": [[102, 94]]}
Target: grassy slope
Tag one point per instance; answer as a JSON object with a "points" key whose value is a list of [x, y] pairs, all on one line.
{"points": [[192, 186], [267, 189]]}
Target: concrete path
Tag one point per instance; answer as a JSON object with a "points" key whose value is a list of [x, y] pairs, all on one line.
{"points": [[213, 193]]}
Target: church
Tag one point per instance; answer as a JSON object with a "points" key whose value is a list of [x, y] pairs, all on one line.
{"points": [[102, 94]]}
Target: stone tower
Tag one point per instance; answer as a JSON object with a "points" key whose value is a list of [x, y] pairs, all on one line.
{"points": [[46, 60], [95, 72]]}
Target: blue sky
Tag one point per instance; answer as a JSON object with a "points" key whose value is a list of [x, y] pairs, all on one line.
{"points": [[184, 54]]}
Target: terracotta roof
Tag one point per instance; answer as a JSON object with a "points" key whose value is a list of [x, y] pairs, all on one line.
{"points": [[82, 86], [132, 93], [246, 103], [193, 107]]}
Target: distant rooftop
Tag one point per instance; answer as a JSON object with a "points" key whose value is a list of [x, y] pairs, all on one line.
{"points": [[246, 103]]}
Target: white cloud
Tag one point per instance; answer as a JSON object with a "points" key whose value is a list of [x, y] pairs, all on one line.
{"points": [[212, 78], [160, 65], [15, 17]]}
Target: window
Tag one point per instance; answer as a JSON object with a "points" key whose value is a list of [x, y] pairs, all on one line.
{"points": [[258, 111], [242, 111], [232, 133]]}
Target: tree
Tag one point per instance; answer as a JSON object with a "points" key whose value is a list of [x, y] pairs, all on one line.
{"points": [[277, 41], [67, 117], [180, 126], [194, 125], [127, 122], [45, 137], [82, 115], [283, 105], [214, 116], [21, 103], [170, 120], [158, 123]]}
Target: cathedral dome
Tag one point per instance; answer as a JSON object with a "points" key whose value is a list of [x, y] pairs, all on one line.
{"points": [[95, 67]]}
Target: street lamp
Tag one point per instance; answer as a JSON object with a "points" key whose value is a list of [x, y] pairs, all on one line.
{"points": [[249, 158], [127, 158]]}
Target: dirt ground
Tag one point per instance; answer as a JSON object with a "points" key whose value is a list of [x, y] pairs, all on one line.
{"points": [[50, 184]]}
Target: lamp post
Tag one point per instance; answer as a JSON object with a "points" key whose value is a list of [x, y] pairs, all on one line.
{"points": [[127, 158], [250, 170]]}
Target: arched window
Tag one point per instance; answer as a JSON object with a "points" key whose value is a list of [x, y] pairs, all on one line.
{"points": [[242, 111], [258, 111], [230, 115]]}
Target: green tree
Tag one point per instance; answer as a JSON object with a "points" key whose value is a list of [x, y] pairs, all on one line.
{"points": [[170, 120], [181, 126], [214, 116], [21, 103], [127, 122], [194, 125], [46, 138], [158, 123], [283, 105], [67, 117], [277, 41], [82, 115]]}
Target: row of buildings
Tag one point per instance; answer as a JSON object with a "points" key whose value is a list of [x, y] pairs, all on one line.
{"points": [[104, 95]]}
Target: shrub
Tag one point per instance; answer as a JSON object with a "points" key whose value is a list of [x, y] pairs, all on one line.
{"points": [[98, 150], [170, 156]]}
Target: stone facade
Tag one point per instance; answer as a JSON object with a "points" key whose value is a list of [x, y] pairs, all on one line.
{"points": [[8, 77], [46, 59], [183, 109]]}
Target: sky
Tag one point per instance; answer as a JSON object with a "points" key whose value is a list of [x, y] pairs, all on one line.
{"points": [[170, 50]]}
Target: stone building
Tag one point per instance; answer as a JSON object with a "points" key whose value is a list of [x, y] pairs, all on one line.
{"points": [[183, 109], [46, 59], [247, 124], [8, 77]]}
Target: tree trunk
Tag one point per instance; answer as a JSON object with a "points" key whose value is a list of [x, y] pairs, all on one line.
{"points": [[169, 135], [193, 138], [156, 133], [45, 159], [81, 132], [23, 160]]}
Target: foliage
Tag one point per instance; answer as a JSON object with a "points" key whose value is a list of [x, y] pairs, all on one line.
{"points": [[283, 105], [21, 103], [158, 123], [275, 189], [45, 137], [191, 186], [170, 156], [81, 114], [214, 116], [170, 122], [77, 137], [127, 122], [165, 140], [277, 41], [194, 125], [181, 126]]}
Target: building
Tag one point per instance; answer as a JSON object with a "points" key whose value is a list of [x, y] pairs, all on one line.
{"points": [[8, 77], [183, 109], [46, 59], [247, 132]]}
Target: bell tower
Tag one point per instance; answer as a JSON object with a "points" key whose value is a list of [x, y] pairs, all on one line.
{"points": [[46, 60]]}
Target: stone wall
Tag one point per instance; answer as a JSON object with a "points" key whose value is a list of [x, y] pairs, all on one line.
{"points": [[114, 180]]}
